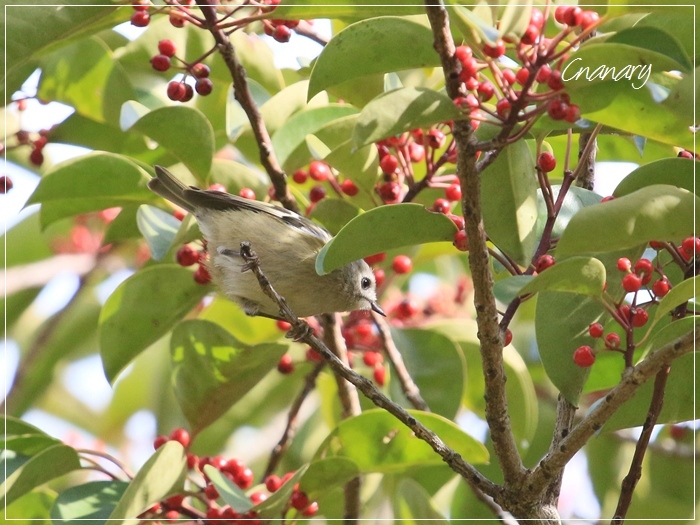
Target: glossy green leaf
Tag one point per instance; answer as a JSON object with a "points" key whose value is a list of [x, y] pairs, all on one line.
{"points": [[93, 182], [158, 227], [663, 333], [515, 19], [361, 166], [377, 45], [402, 110], [509, 197], [230, 317], [213, 370], [163, 474], [509, 288], [90, 503], [574, 200], [414, 502], [194, 149], [31, 509], [290, 140], [325, 474], [316, 147], [345, 9], [333, 214], [257, 58], [28, 445], [581, 275], [653, 39], [277, 502], [228, 490], [658, 212], [679, 294], [17, 427], [436, 365], [24, 473], [383, 229], [236, 117], [469, 24], [377, 442], [235, 176], [672, 171], [25, 242], [141, 310], [124, 226]]}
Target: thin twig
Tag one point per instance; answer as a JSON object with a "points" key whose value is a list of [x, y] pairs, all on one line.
{"points": [[245, 99], [408, 386], [635, 472], [305, 29], [302, 332], [108, 457], [291, 428]]}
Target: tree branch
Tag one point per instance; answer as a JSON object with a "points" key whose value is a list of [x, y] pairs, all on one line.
{"points": [[632, 379], [245, 99], [302, 332], [490, 335]]}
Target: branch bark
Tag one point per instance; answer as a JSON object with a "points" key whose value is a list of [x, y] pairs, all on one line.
{"points": [[245, 99]]}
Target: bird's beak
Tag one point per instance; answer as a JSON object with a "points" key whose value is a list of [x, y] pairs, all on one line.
{"points": [[375, 306]]}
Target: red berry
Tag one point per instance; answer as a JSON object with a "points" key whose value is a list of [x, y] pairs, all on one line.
{"points": [[583, 356], [189, 93], [40, 142], [536, 18], [389, 164], [258, 497], [299, 500], [573, 114], [624, 264], [543, 74], [530, 35], [311, 510], [441, 206], [471, 83], [300, 176], [176, 20], [379, 375], [201, 275], [375, 259], [217, 187], [495, 51], [612, 341], [436, 138], [554, 80], [463, 53], [509, 338], [572, 16], [349, 188], [291, 24], [247, 193], [372, 358], [140, 5], [685, 255], [470, 68], [406, 309], [677, 432], [5, 184], [313, 356], [36, 157], [390, 192], [140, 19], [645, 269], [631, 282], [172, 515], [159, 442], [416, 152], [210, 492], [661, 287], [167, 48], [282, 34], [503, 108], [656, 245], [624, 311], [522, 76], [485, 90], [160, 63], [460, 241], [379, 276], [559, 13], [453, 192], [595, 330], [174, 501], [181, 436], [683, 154], [204, 86], [317, 193], [285, 365], [544, 262], [214, 513], [691, 245], [402, 264], [176, 90], [273, 483], [200, 70], [233, 466], [457, 219], [319, 171], [244, 479], [187, 256], [546, 161], [509, 76], [558, 109], [192, 461], [640, 317], [283, 325]]}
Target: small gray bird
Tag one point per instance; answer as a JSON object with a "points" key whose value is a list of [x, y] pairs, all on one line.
{"points": [[287, 245]]}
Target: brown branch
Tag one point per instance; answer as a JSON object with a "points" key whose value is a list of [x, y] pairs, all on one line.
{"points": [[586, 178], [408, 386], [490, 335], [565, 420], [291, 428], [635, 472], [245, 99], [302, 332], [632, 379]]}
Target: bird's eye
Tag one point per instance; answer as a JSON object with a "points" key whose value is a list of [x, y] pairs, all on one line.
{"points": [[365, 283]]}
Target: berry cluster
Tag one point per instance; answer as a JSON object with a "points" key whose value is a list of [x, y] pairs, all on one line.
{"points": [[178, 13], [280, 30], [321, 172], [179, 90]]}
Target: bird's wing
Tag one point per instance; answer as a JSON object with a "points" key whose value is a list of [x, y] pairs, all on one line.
{"points": [[216, 200]]}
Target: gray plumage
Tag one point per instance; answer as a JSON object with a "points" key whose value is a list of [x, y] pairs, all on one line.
{"points": [[286, 243]]}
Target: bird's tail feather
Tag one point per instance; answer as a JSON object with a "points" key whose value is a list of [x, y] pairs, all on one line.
{"points": [[169, 187]]}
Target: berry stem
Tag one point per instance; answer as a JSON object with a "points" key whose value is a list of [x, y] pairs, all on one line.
{"points": [[108, 457]]}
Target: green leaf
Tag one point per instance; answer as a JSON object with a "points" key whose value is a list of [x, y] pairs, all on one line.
{"points": [[581, 275], [377, 442], [653, 39], [93, 182], [213, 370], [277, 502], [141, 310], [515, 19], [183, 131], [326, 474], [123, 226], [228, 490], [663, 333], [402, 110], [159, 228], [257, 59], [509, 196], [574, 200], [318, 149], [658, 212], [16, 427], [25, 242], [345, 9], [91, 502], [679, 294], [230, 317], [333, 214], [509, 288], [414, 502], [290, 140], [469, 24], [162, 475], [437, 366], [236, 176], [348, 55], [383, 229], [674, 172], [31, 509], [24, 473]]}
